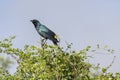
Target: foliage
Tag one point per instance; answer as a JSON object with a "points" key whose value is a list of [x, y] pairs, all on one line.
{"points": [[51, 63]]}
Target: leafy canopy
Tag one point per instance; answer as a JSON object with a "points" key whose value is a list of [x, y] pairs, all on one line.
{"points": [[51, 63]]}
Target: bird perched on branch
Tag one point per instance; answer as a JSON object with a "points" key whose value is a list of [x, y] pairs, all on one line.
{"points": [[45, 32]]}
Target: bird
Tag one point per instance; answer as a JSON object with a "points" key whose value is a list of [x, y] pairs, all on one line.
{"points": [[45, 32]]}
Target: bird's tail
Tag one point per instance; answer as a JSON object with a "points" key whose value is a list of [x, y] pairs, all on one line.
{"points": [[55, 42]]}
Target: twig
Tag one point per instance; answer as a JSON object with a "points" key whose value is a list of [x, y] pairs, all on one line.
{"points": [[15, 58], [111, 63]]}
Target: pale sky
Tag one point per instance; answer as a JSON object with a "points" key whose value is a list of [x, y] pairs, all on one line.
{"points": [[81, 22]]}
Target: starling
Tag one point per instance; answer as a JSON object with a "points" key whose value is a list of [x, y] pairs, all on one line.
{"points": [[45, 32]]}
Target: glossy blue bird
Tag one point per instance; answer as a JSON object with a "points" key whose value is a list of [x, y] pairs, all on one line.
{"points": [[45, 32]]}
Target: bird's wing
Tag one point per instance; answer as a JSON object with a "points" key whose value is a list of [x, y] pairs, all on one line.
{"points": [[48, 34], [47, 30]]}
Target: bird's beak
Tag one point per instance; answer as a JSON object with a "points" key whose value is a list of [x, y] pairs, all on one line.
{"points": [[31, 20]]}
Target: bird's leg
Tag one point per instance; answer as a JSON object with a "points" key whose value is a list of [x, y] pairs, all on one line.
{"points": [[43, 41]]}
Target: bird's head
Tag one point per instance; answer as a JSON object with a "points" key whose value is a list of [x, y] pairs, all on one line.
{"points": [[35, 22]]}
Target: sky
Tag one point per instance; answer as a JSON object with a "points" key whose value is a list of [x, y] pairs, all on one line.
{"points": [[81, 22]]}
